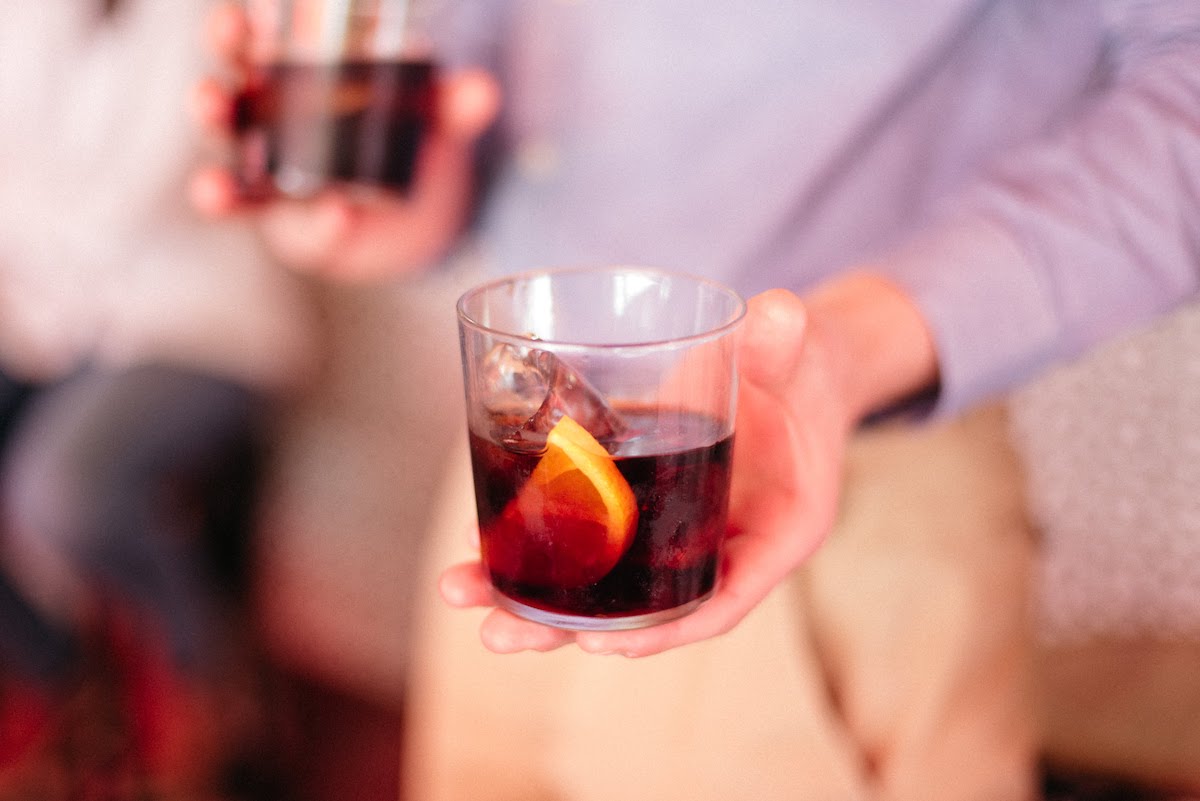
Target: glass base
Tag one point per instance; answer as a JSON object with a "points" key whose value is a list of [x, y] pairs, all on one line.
{"points": [[561, 620]]}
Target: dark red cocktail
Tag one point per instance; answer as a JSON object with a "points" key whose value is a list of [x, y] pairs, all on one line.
{"points": [[600, 405], [301, 126], [556, 550]]}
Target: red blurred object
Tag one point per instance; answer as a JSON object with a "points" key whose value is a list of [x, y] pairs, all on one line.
{"points": [[26, 717]]}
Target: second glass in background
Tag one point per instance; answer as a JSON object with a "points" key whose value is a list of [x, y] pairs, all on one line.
{"points": [[341, 92]]}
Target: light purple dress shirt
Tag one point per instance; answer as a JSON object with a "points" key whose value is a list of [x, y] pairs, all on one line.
{"points": [[1028, 170]]}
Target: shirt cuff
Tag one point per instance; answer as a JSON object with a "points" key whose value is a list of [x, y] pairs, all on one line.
{"points": [[990, 311]]}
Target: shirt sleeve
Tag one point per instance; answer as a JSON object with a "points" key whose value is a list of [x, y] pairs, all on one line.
{"points": [[1074, 238]]}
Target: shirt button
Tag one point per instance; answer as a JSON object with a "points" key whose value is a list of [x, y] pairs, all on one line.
{"points": [[538, 158]]}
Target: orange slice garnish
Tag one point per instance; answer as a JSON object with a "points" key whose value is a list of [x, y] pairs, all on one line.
{"points": [[572, 520]]}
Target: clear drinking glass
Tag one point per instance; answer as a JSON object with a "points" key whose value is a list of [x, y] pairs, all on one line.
{"points": [[341, 92], [600, 405]]}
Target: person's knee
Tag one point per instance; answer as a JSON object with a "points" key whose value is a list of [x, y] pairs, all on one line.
{"points": [[43, 540]]}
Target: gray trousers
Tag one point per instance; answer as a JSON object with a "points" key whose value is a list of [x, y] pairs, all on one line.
{"points": [[133, 485]]}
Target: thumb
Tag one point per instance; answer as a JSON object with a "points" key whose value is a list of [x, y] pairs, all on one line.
{"points": [[469, 104], [772, 340]]}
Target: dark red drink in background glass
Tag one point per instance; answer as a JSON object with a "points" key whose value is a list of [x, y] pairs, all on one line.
{"points": [[303, 126], [678, 471]]}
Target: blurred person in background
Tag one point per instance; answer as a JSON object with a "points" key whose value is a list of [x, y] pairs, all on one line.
{"points": [[953, 196], [142, 353]]}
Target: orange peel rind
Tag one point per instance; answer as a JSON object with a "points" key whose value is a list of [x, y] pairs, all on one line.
{"points": [[576, 515]]}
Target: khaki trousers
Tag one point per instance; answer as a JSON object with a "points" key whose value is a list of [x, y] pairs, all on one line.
{"points": [[895, 664]]}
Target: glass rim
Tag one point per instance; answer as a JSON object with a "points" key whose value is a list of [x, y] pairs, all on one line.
{"points": [[732, 321]]}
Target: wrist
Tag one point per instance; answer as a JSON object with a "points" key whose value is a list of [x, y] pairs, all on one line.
{"points": [[874, 342]]}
